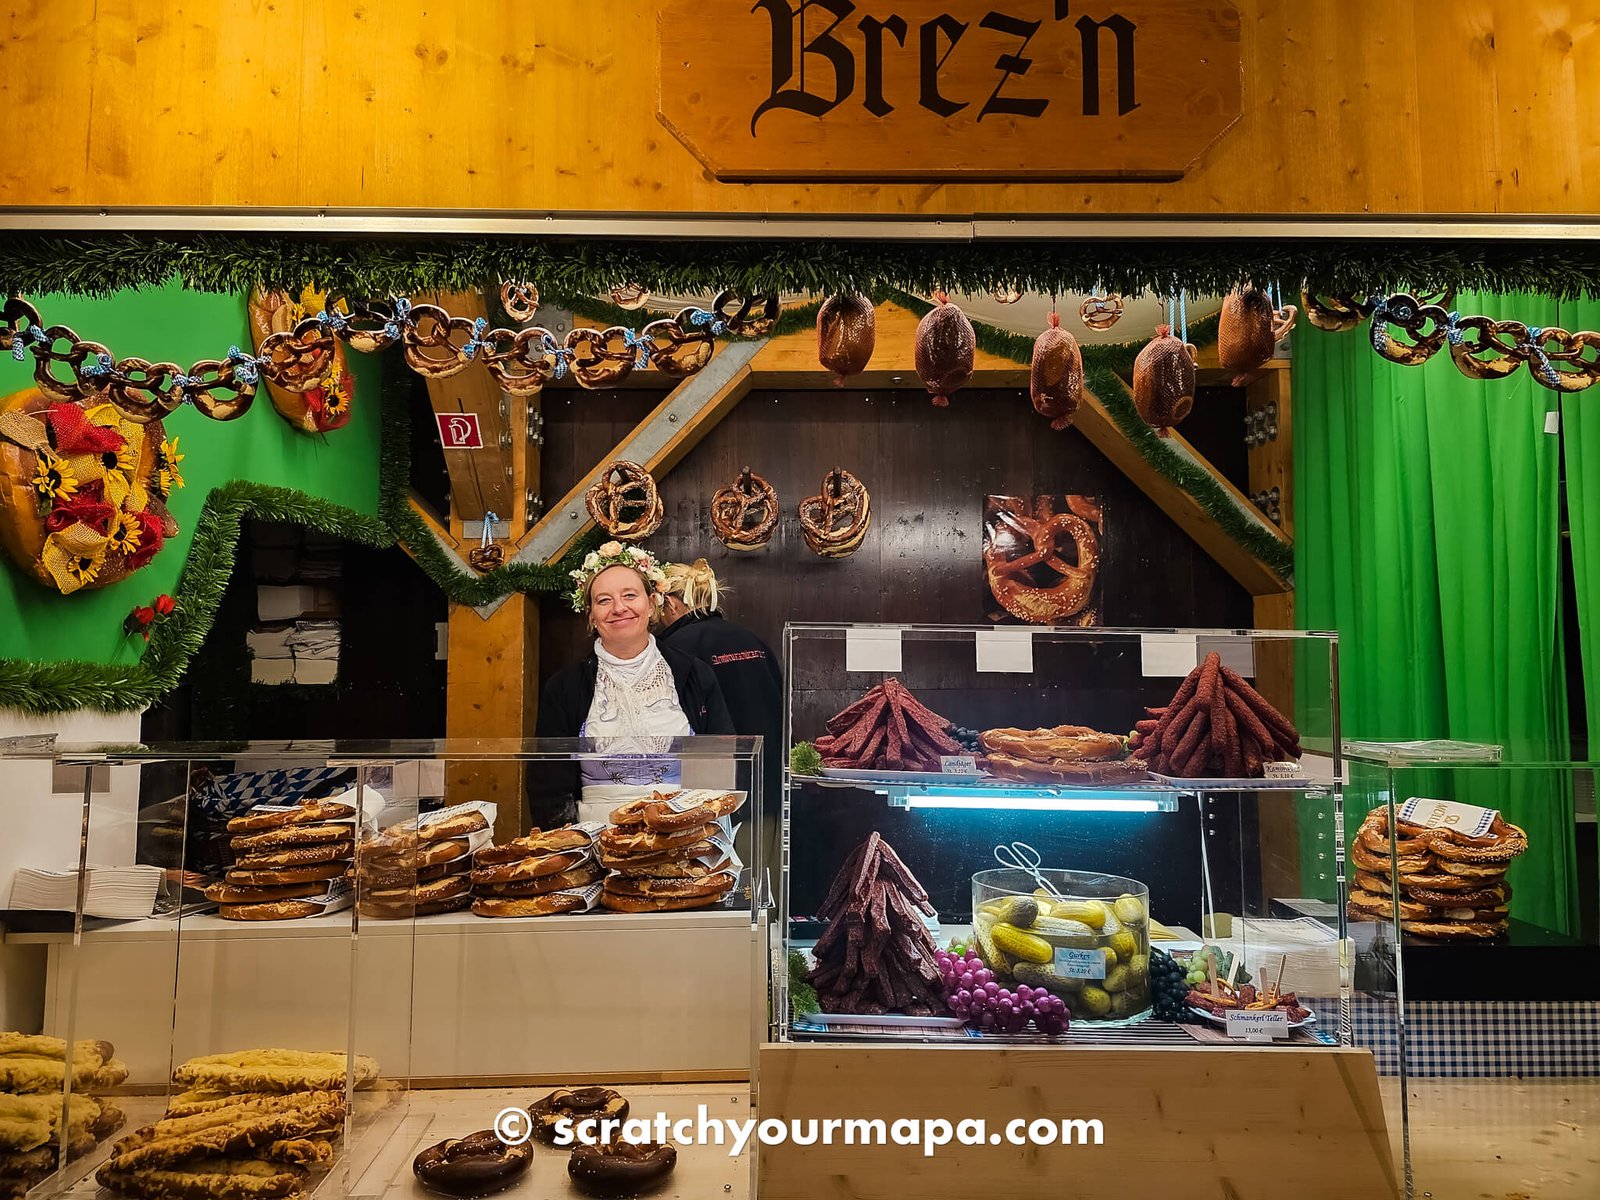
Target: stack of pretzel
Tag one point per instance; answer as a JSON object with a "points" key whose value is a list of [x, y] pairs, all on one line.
{"points": [[1217, 727], [539, 875], [1069, 754], [876, 956], [887, 729], [665, 852], [1448, 886]]}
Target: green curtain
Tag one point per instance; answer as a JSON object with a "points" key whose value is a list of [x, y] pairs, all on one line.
{"points": [[38, 624], [1580, 437], [1426, 533]]}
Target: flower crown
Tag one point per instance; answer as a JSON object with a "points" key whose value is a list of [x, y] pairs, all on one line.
{"points": [[615, 554]]}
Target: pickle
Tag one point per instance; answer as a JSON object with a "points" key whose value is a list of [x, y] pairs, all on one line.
{"points": [[987, 950], [1095, 1001], [1021, 911], [1130, 909], [1091, 912], [1036, 975], [1127, 1004], [1116, 979], [1064, 933], [1139, 970], [1124, 943], [1015, 942]]}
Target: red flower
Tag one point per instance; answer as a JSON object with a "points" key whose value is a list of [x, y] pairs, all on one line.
{"points": [[139, 621], [149, 540], [165, 604]]}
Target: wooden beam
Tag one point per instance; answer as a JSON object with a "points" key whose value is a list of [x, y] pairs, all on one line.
{"points": [[492, 671], [1272, 462], [480, 480], [658, 443]]}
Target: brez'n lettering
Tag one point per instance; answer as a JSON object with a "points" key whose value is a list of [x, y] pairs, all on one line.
{"points": [[813, 62]]}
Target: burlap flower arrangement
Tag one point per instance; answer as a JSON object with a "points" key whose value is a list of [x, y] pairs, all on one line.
{"points": [[82, 490]]}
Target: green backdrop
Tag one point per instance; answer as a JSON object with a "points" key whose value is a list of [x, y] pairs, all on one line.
{"points": [[169, 323], [1427, 533]]}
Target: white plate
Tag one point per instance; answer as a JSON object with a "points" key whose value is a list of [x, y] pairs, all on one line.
{"points": [[848, 774], [1216, 1019]]}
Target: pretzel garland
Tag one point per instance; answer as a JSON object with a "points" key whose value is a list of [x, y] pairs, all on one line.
{"points": [[835, 523], [1217, 726], [745, 513], [1040, 586], [1409, 330], [1100, 311], [624, 501], [300, 357]]}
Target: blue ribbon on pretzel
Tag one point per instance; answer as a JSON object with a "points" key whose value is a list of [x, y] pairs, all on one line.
{"points": [[332, 321], [1535, 347], [640, 346], [246, 368], [98, 369], [1452, 329], [702, 318], [470, 350], [561, 354], [402, 316]]}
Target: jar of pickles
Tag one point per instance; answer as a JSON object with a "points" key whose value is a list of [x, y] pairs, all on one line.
{"points": [[1083, 936]]}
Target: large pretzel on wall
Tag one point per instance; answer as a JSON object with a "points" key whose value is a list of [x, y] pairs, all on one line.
{"points": [[1012, 580], [744, 514], [835, 523], [624, 502]]}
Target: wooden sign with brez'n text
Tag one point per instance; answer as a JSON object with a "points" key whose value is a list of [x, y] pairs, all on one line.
{"points": [[955, 89]]}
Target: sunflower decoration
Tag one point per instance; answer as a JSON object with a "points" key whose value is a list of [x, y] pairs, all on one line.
{"points": [[279, 311], [82, 491], [53, 479], [166, 475]]}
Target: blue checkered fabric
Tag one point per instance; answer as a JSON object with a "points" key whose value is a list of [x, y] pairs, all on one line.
{"points": [[230, 795], [1530, 1039]]}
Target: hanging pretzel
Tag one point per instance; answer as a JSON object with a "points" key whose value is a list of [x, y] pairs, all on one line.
{"points": [[1423, 331], [836, 522], [753, 316], [1334, 314], [1100, 311], [602, 358], [520, 299], [624, 502], [744, 514]]}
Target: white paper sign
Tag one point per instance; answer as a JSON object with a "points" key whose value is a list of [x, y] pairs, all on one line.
{"points": [[1465, 819], [1007, 651], [958, 764], [867, 649], [1552, 422], [1171, 655], [1262, 1026], [1079, 964]]}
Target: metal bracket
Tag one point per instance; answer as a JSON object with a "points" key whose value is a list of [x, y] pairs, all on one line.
{"points": [[1270, 503], [535, 510], [1261, 425], [535, 425]]}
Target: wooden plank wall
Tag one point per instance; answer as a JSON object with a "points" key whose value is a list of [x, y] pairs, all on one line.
{"points": [[1354, 106]]}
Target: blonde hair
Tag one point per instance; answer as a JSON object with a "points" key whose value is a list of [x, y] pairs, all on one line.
{"points": [[695, 584]]}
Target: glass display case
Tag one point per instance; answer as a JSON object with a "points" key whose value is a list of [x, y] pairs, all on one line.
{"points": [[972, 845], [367, 943], [1497, 912]]}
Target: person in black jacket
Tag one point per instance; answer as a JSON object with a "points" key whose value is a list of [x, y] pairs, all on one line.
{"points": [[630, 695], [746, 669]]}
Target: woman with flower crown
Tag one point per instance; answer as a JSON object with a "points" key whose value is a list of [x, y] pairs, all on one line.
{"points": [[630, 695]]}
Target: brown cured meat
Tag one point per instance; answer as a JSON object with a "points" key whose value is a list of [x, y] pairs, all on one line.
{"points": [[876, 954], [846, 335], [888, 729], [1164, 381], [945, 349], [1056, 382]]}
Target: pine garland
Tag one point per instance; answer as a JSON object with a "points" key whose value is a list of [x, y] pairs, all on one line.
{"points": [[51, 687], [565, 269]]}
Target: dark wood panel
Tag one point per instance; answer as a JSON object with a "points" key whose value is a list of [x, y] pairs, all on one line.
{"points": [[928, 470]]}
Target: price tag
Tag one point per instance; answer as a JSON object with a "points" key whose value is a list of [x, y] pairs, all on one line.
{"points": [[1168, 655], [1265, 1026], [1288, 769], [1005, 650], [1465, 819], [869, 648], [1079, 964], [958, 764]]}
